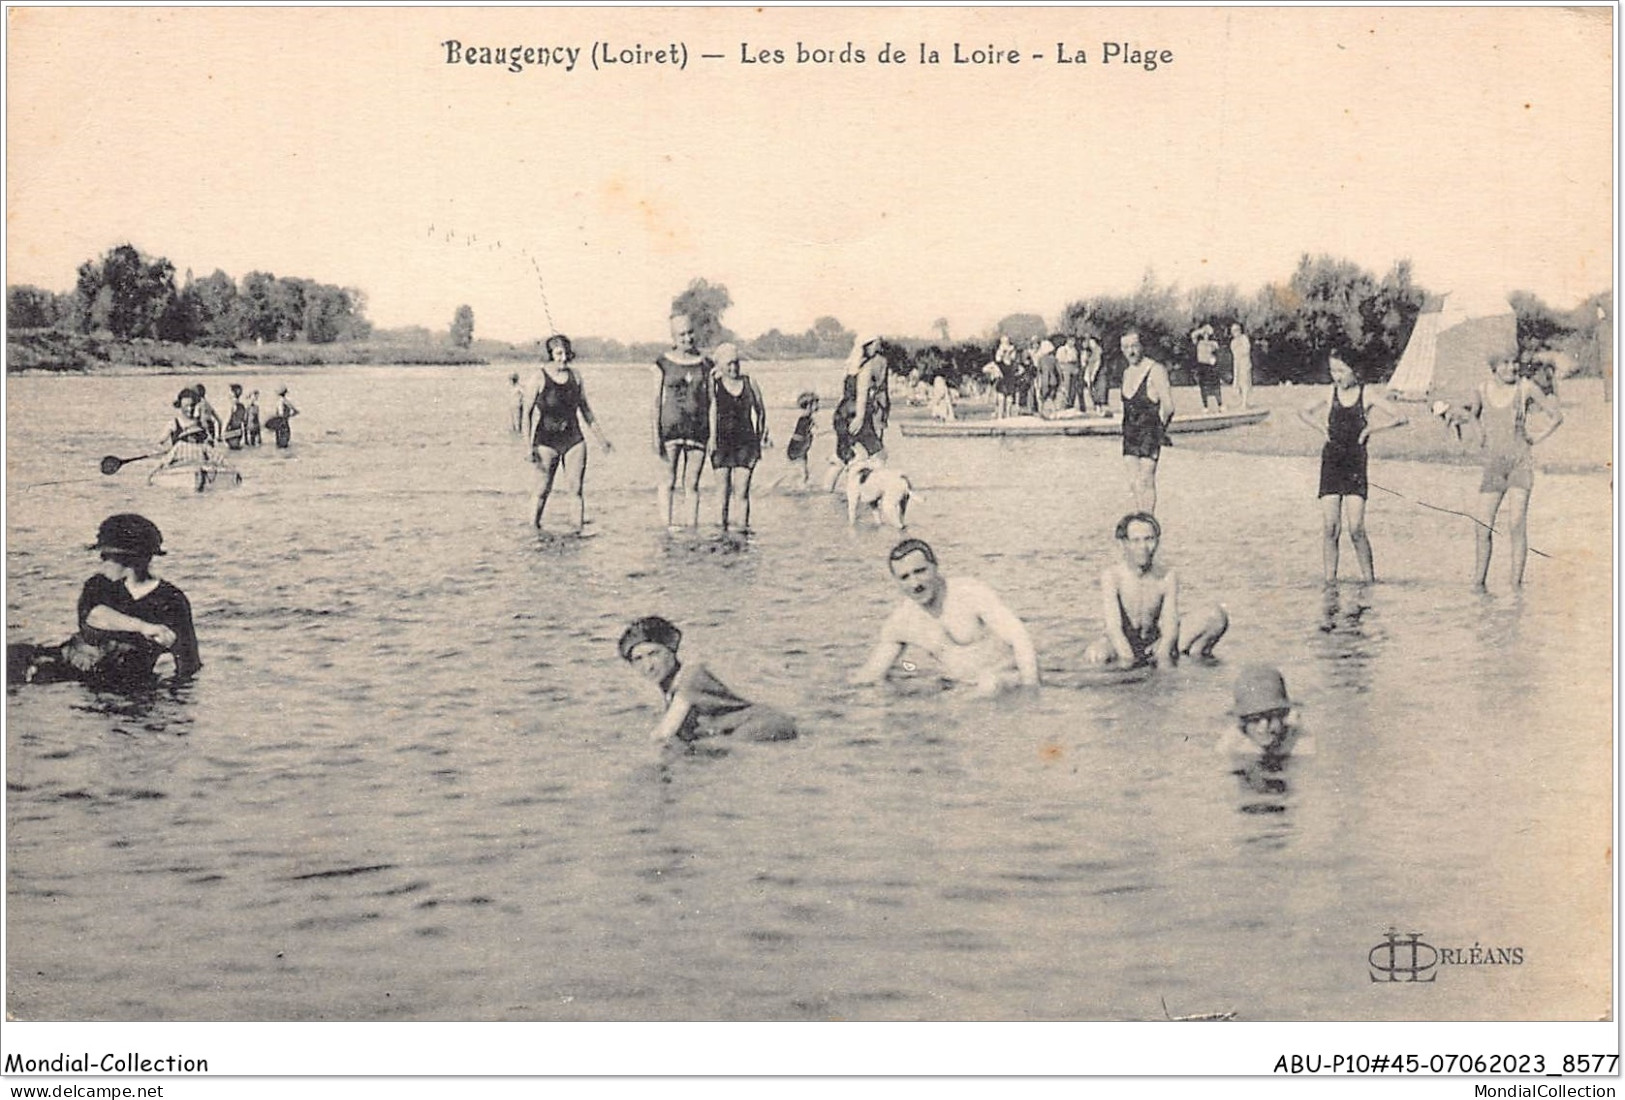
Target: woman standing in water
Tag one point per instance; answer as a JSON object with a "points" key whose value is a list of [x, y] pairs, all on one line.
{"points": [[1501, 407], [251, 419], [865, 405], [738, 432], [278, 420], [554, 415], [682, 419], [1344, 418]]}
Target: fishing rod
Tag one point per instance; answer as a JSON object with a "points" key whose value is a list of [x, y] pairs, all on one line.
{"points": [[1448, 511], [451, 236]]}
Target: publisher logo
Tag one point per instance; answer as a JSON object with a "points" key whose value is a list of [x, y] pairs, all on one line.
{"points": [[1403, 957], [1406, 957]]}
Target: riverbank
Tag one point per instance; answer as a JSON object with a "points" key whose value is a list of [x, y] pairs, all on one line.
{"points": [[1583, 444], [51, 351]]}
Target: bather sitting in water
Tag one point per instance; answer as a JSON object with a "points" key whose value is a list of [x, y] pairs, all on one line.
{"points": [[1140, 599], [959, 621], [129, 619], [697, 703]]}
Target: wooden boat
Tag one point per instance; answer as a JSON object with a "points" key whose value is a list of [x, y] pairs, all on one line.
{"points": [[1076, 425], [196, 475]]}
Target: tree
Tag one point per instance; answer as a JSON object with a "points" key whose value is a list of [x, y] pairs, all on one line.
{"points": [[1334, 303], [31, 307], [182, 322], [704, 303], [256, 312], [940, 327], [462, 327], [830, 339], [1021, 327], [125, 293], [216, 298], [287, 301]]}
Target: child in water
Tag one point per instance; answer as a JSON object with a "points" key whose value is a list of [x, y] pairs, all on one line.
{"points": [[801, 439], [697, 703]]}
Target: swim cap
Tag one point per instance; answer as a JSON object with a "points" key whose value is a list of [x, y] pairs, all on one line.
{"points": [[650, 629], [807, 399], [724, 354], [1260, 689], [128, 533], [188, 392]]}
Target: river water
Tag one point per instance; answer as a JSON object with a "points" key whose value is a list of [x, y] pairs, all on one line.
{"points": [[412, 781]]}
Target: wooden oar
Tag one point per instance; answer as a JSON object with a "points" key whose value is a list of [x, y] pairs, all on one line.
{"points": [[112, 464]]}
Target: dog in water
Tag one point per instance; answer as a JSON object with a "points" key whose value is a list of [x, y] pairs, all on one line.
{"points": [[870, 484]]}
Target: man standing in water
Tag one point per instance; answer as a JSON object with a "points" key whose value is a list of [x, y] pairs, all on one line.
{"points": [[959, 621], [1148, 406], [682, 419]]}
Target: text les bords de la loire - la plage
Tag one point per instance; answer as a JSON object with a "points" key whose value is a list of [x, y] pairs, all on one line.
{"points": [[601, 55]]}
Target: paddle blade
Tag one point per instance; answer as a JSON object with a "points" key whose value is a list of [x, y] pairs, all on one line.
{"points": [[111, 464]]}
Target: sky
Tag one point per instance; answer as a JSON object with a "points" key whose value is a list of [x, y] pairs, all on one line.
{"points": [[340, 145]]}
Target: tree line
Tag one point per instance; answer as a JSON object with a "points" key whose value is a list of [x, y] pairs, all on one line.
{"points": [[132, 296], [1326, 304]]}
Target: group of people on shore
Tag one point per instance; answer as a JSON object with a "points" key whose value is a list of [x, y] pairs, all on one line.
{"points": [[1050, 376], [1208, 372], [1066, 374]]}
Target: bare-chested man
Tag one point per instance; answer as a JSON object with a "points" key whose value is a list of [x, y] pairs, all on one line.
{"points": [[1140, 603], [959, 621]]}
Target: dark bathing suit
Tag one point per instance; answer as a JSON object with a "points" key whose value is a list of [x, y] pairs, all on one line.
{"points": [[869, 434], [715, 711], [113, 659], [1343, 457], [284, 433], [800, 439], [736, 443], [237, 426], [557, 426], [685, 402], [1143, 431], [1143, 643]]}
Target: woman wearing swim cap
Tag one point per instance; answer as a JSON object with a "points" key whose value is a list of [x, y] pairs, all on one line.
{"points": [[697, 703]]}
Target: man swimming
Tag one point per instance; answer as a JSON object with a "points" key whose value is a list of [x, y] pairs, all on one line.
{"points": [[959, 621], [1140, 604]]}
